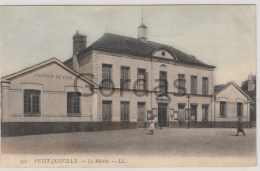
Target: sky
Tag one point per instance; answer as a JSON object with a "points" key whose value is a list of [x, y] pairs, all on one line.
{"points": [[219, 35]]}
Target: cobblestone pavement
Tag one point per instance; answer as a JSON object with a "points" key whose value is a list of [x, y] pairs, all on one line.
{"points": [[209, 142]]}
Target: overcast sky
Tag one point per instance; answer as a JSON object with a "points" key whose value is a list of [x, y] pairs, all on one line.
{"points": [[220, 35]]}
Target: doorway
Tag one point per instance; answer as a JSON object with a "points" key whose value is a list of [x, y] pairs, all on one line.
{"points": [[141, 114], [162, 114]]}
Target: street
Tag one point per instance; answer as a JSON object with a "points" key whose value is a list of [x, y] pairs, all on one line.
{"points": [[183, 143]]}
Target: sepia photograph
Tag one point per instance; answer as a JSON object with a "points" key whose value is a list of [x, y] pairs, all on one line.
{"points": [[128, 86]]}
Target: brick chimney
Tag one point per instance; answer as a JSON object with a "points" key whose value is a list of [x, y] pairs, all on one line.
{"points": [[79, 42]]}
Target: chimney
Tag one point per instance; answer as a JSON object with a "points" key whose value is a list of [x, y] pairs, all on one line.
{"points": [[79, 42], [250, 82], [142, 33]]}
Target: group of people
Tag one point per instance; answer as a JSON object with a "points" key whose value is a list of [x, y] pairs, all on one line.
{"points": [[239, 127]]}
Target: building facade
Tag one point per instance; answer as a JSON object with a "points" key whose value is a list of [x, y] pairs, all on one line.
{"points": [[117, 82], [231, 103], [249, 86], [161, 74]]}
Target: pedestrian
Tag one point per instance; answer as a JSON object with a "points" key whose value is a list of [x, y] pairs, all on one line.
{"points": [[151, 127], [240, 127]]}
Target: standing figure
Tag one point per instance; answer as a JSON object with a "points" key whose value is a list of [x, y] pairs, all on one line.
{"points": [[151, 127], [240, 127]]}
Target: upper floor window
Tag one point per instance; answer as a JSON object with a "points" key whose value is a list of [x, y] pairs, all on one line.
{"points": [[32, 101], [163, 84], [73, 102], [181, 84], [193, 84], [205, 84], [107, 76], [141, 79], [124, 78], [223, 109], [239, 109]]}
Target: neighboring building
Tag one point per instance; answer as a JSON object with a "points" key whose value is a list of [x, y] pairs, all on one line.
{"points": [[249, 86], [130, 80], [231, 103]]}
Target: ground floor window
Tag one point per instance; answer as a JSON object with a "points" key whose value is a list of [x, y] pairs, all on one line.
{"points": [[32, 101], [205, 112], [193, 112], [125, 111], [106, 110], [181, 112], [73, 102], [223, 109], [239, 109]]}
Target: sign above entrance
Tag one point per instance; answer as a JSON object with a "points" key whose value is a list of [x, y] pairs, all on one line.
{"points": [[163, 99]]}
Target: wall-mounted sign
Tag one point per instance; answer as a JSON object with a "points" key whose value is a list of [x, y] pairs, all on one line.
{"points": [[52, 76]]}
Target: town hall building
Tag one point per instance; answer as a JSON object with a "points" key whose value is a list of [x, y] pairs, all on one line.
{"points": [[116, 82]]}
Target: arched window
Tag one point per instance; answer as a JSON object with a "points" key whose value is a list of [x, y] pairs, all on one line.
{"points": [[163, 67], [32, 101], [163, 82]]}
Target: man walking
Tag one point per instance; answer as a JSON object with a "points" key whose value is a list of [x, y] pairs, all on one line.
{"points": [[240, 127]]}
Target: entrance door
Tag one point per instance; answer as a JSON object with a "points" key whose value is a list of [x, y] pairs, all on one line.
{"points": [[162, 114], [141, 115]]}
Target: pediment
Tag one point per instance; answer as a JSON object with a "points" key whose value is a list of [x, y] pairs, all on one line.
{"points": [[164, 53]]}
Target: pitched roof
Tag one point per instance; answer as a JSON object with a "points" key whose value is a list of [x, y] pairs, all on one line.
{"points": [[221, 87], [128, 45], [44, 63], [218, 87]]}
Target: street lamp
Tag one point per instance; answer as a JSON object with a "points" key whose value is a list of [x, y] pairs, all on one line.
{"points": [[188, 98]]}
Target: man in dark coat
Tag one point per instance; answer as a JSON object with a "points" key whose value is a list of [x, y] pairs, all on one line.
{"points": [[240, 127]]}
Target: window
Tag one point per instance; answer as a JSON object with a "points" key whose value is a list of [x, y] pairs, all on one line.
{"points": [[163, 53], [141, 79], [106, 110], [181, 84], [124, 81], [205, 83], [205, 112], [193, 85], [124, 111], [32, 101], [193, 112], [73, 102], [223, 109], [163, 85], [239, 109], [107, 76]]}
